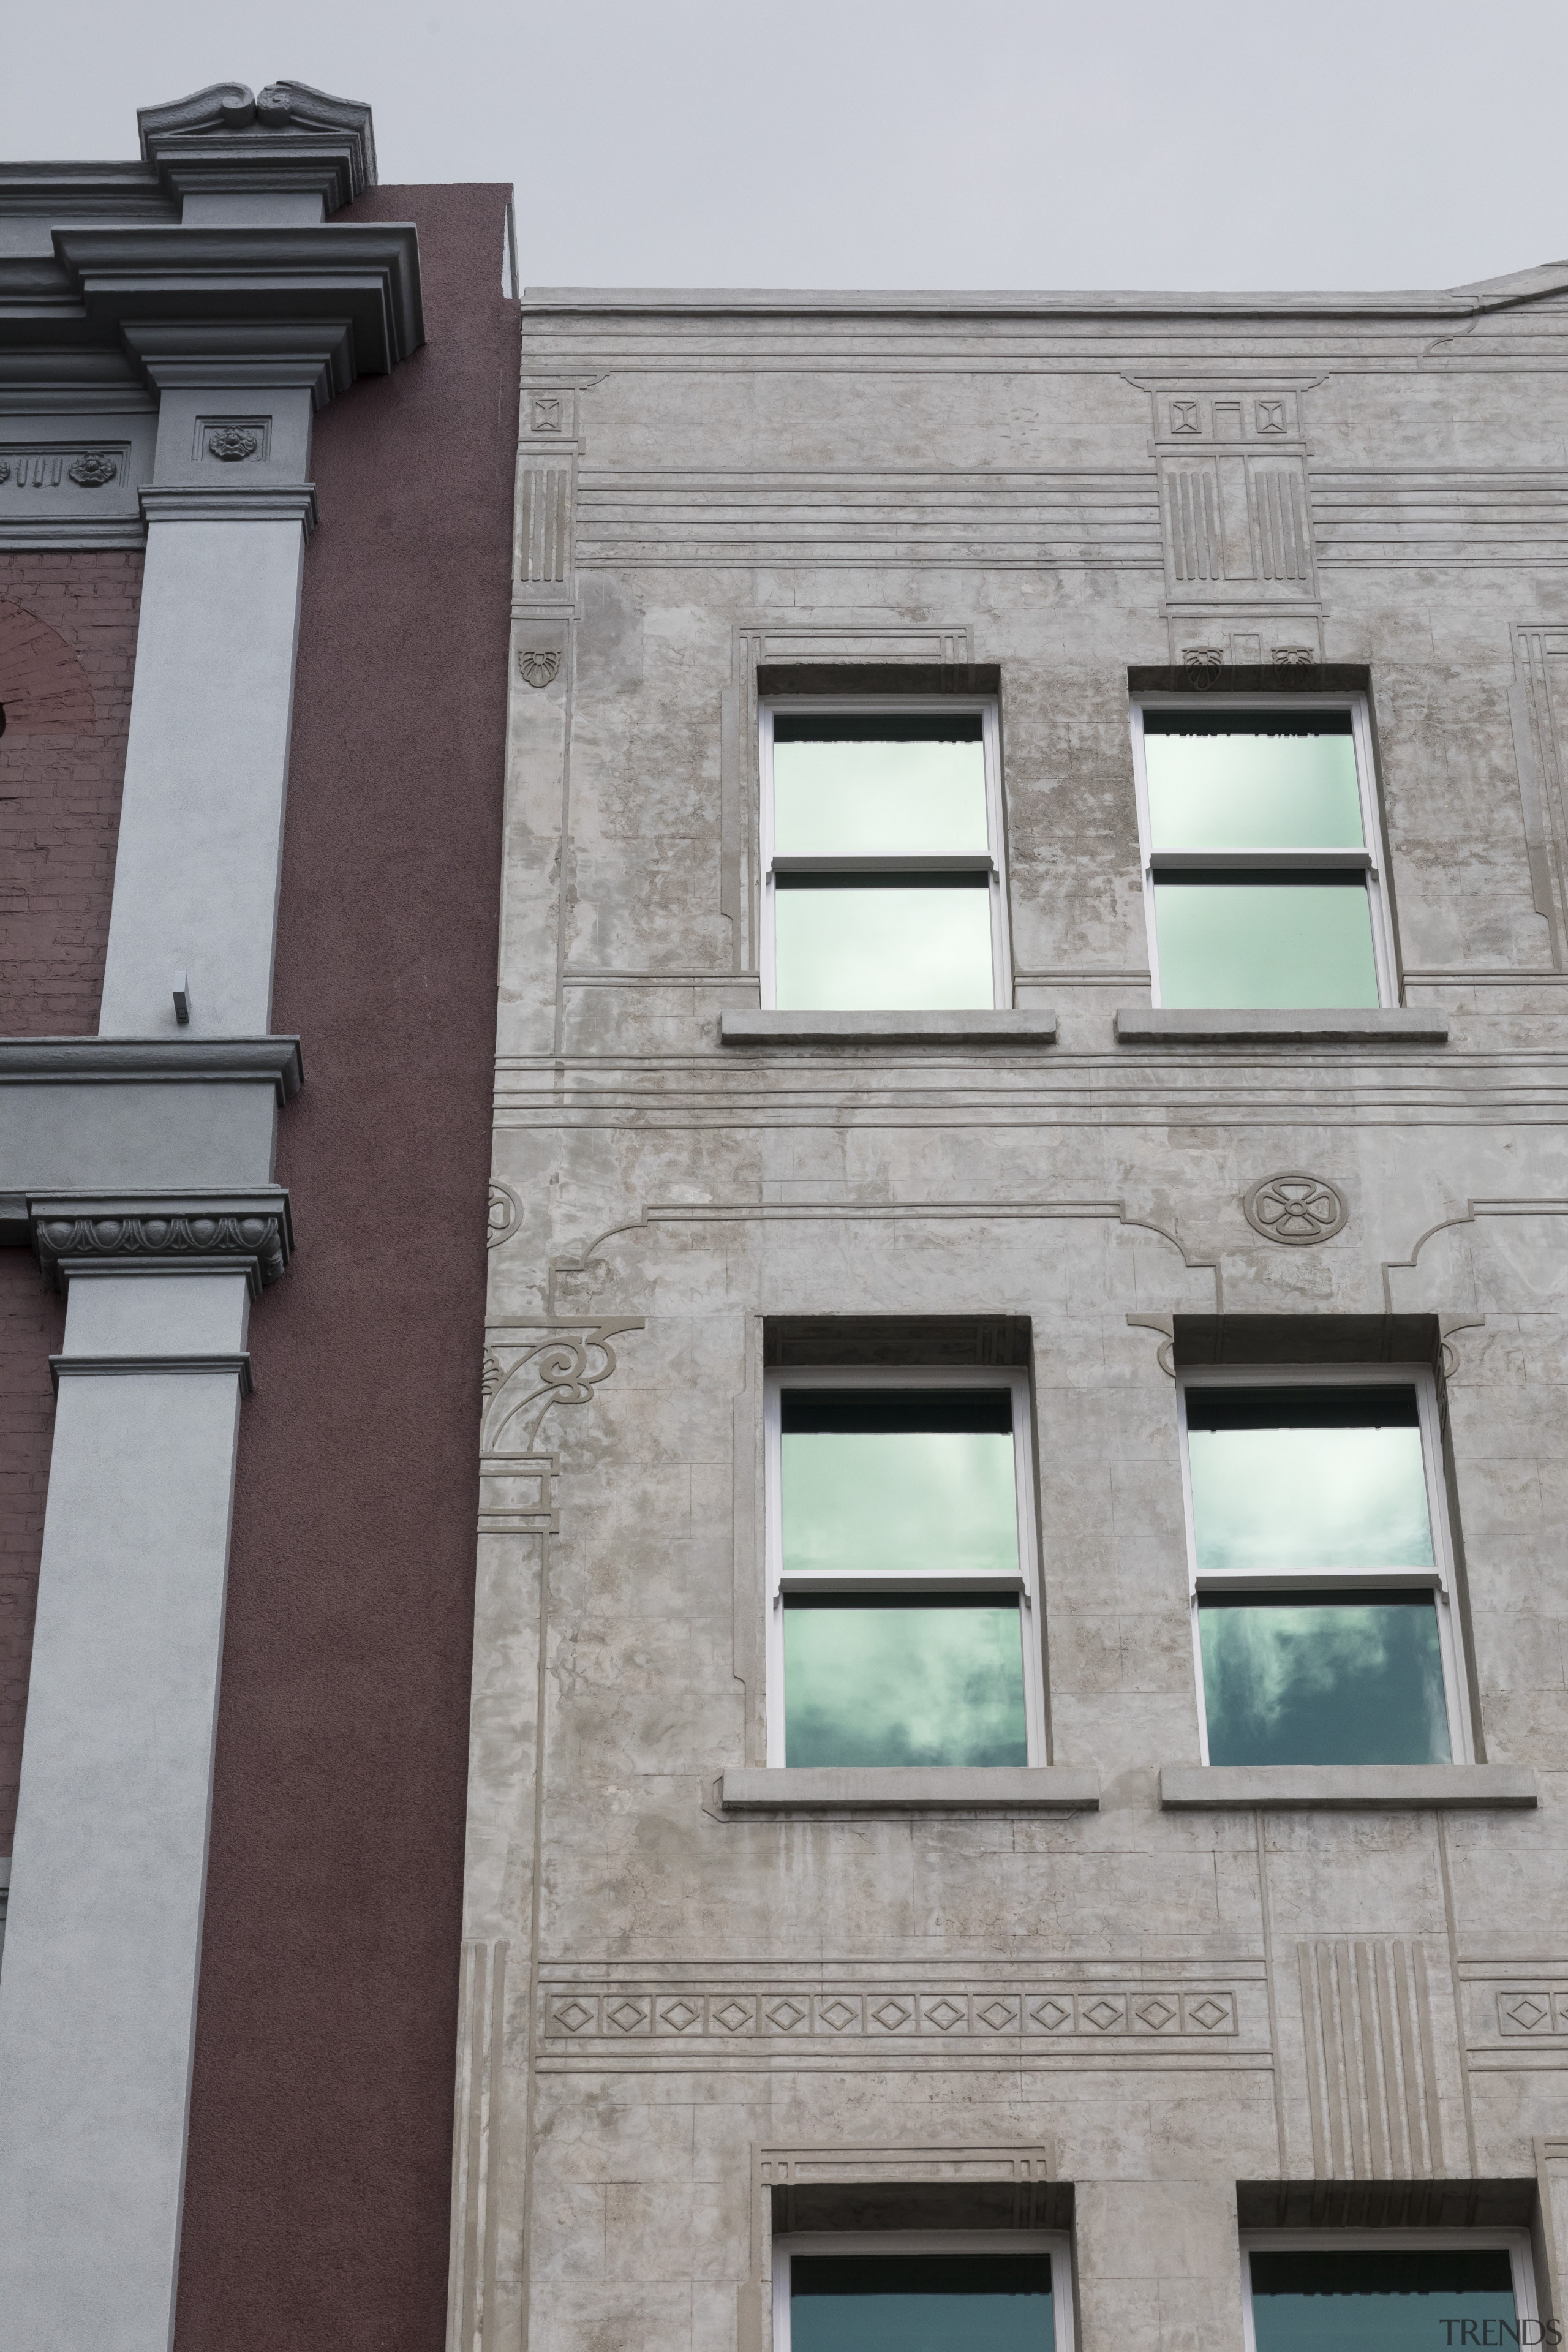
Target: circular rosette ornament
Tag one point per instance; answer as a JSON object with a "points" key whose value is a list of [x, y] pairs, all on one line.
{"points": [[1295, 1209]]}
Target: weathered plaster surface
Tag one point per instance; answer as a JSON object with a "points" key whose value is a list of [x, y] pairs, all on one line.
{"points": [[655, 1988]]}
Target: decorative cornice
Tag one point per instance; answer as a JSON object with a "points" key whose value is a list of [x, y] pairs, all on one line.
{"points": [[290, 137], [100, 1367], [232, 280], [962, 304], [117, 1061], [247, 1232], [231, 502], [113, 530], [314, 356]]}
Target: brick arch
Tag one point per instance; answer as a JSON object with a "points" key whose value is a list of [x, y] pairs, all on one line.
{"points": [[43, 687]]}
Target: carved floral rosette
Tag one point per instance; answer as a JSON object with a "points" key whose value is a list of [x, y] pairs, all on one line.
{"points": [[94, 472]]}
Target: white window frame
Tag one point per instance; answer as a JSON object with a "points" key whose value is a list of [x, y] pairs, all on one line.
{"points": [[1000, 2243], [1027, 1583], [1367, 860], [1439, 1578], [1515, 2243], [992, 863]]}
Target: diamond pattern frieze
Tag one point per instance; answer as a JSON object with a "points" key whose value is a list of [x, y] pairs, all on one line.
{"points": [[732, 2015], [892, 2015], [1052, 2015], [1155, 2014], [574, 2016], [1528, 2012], [997, 2015], [1208, 2013], [849, 2012]]}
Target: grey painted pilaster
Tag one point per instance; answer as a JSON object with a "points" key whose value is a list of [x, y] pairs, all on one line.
{"points": [[206, 766], [98, 1992]]}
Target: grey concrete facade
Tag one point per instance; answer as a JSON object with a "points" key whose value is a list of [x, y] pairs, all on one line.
{"points": [[688, 1986], [169, 329]]}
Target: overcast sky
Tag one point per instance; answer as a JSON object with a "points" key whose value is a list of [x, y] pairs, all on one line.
{"points": [[1181, 143]]}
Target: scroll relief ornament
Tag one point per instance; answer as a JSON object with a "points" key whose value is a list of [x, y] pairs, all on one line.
{"points": [[537, 667], [504, 1215], [1295, 1209], [524, 1379], [93, 471]]}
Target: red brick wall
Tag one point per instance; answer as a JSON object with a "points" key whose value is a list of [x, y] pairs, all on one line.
{"points": [[32, 1326], [68, 649], [320, 2139]]}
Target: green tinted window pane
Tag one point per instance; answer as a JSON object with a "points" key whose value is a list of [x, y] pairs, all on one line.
{"points": [[1295, 1498], [907, 1500], [1404, 2300], [1238, 791], [921, 2303], [874, 1682], [1322, 1680], [1249, 944], [910, 950], [879, 800]]}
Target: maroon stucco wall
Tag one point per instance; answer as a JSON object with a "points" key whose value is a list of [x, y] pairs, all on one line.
{"points": [[320, 2129]]}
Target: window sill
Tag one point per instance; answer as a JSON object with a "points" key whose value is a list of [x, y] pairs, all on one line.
{"points": [[887, 1028], [1385, 1025], [1344, 1787], [914, 1788]]}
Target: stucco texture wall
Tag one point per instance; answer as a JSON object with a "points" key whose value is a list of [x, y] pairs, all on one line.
{"points": [[674, 1989], [321, 2132]]}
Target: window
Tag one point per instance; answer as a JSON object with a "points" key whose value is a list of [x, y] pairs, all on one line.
{"points": [[923, 2291], [901, 1541], [1259, 823], [1389, 2290], [1321, 1578], [881, 854]]}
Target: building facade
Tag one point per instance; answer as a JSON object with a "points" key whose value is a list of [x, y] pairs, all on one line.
{"points": [[255, 459], [986, 880], [1018, 1721]]}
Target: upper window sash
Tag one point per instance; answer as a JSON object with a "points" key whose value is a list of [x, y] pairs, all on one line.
{"points": [[1363, 856], [1291, 1376], [988, 865], [1514, 2243], [891, 2243], [1437, 1577], [1023, 1581]]}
